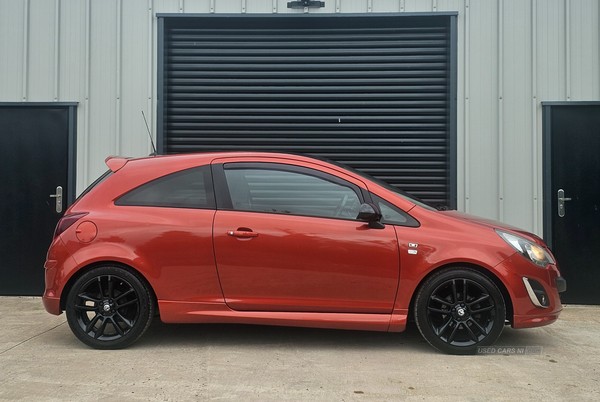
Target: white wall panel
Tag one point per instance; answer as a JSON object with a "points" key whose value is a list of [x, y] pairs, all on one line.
{"points": [[13, 24], [512, 55], [584, 50], [516, 190], [482, 156], [41, 66]]}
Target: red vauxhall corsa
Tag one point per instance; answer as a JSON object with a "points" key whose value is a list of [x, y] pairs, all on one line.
{"points": [[279, 239]]}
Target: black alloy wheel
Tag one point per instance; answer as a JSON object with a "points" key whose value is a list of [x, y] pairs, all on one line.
{"points": [[109, 308], [458, 310]]}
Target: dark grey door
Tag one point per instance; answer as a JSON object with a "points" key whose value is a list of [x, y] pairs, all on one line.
{"points": [[376, 92], [572, 195], [36, 157]]}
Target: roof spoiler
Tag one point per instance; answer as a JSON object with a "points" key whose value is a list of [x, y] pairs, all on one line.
{"points": [[115, 163]]}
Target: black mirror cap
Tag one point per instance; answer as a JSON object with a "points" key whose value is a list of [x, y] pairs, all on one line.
{"points": [[369, 212]]}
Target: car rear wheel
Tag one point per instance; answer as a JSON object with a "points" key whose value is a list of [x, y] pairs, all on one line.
{"points": [[109, 308], [458, 310]]}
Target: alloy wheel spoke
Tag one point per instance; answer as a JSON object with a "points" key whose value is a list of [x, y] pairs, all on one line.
{"points": [[481, 310], [465, 291], [111, 286], [454, 296], [87, 297], [124, 294], [438, 310], [440, 331], [439, 300], [479, 300], [83, 307], [453, 334], [93, 322], [127, 303], [479, 327], [100, 330], [117, 326], [99, 283], [471, 333], [127, 322]]}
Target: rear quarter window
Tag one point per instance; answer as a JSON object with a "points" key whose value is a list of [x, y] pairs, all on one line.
{"points": [[190, 188]]}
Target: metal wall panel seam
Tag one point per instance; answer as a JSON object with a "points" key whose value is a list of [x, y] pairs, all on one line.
{"points": [[433, 5], [25, 50], [86, 130], [568, 49], [500, 110], [119, 72], [534, 162], [274, 7], [337, 5], [402, 6], [369, 6], [244, 6], [56, 48], [212, 6], [151, 63], [467, 84], [181, 6]]}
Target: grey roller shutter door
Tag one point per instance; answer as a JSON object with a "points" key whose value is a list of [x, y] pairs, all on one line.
{"points": [[370, 92]]}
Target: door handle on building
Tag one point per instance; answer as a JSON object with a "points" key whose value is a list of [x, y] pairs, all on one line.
{"points": [[58, 196], [561, 202]]}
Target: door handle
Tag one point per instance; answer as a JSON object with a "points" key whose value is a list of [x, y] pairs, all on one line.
{"points": [[242, 233], [58, 196], [561, 202]]}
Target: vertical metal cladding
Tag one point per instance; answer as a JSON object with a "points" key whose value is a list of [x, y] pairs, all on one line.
{"points": [[370, 92]]}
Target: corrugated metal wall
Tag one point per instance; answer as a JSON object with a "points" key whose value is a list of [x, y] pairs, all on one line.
{"points": [[513, 54]]}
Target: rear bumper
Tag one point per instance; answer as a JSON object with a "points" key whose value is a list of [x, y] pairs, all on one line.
{"points": [[51, 304]]}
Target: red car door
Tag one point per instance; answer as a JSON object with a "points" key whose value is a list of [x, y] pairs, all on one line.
{"points": [[288, 240]]}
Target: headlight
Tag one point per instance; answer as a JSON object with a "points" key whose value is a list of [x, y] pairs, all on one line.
{"points": [[534, 253]]}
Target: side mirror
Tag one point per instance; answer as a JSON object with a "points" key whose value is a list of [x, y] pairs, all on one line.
{"points": [[370, 213]]}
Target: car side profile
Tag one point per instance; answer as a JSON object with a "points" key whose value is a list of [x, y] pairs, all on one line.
{"points": [[278, 239]]}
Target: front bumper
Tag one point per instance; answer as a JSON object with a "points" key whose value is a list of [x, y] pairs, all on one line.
{"points": [[525, 312]]}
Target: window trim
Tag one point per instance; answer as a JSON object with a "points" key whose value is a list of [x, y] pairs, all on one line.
{"points": [[223, 197]]}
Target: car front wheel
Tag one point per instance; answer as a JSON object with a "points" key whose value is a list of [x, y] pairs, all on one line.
{"points": [[109, 308], [458, 310]]}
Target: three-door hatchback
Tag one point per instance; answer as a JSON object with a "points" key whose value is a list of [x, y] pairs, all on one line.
{"points": [[282, 239]]}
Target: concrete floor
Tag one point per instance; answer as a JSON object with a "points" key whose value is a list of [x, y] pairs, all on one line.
{"points": [[40, 360]]}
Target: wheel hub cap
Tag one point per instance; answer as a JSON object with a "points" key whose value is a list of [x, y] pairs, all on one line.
{"points": [[106, 307], [460, 312]]}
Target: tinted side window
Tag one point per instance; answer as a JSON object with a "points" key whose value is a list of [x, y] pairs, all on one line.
{"points": [[191, 188], [393, 215], [286, 192]]}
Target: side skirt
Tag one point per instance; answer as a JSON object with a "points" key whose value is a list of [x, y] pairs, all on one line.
{"points": [[191, 312]]}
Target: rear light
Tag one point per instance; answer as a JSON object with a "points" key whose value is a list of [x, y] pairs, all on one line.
{"points": [[66, 222]]}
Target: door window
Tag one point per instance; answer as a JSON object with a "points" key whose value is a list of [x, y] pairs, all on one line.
{"points": [[290, 192]]}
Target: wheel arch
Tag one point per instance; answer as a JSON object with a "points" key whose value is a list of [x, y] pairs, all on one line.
{"points": [[69, 285], [489, 274]]}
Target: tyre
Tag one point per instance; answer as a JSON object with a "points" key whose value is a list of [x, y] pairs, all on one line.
{"points": [[458, 310], [109, 307]]}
